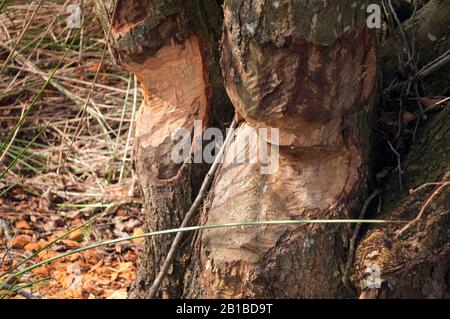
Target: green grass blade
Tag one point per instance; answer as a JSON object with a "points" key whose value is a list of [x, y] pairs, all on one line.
{"points": [[204, 227], [13, 162], [2, 5]]}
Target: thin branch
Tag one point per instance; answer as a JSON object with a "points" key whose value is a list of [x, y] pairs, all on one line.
{"points": [[130, 130], [399, 164], [424, 207], [434, 65], [428, 69], [21, 292]]}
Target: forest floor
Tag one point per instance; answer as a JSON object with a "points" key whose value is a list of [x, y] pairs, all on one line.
{"points": [[65, 153], [104, 272]]}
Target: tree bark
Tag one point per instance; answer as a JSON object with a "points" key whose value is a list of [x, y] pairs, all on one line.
{"points": [[171, 46]]}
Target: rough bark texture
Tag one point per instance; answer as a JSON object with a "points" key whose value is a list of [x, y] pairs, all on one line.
{"points": [[171, 46], [429, 28], [308, 69], [417, 263]]}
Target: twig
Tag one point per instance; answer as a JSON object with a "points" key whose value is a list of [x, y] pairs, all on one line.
{"points": [[424, 207], [130, 129], [197, 202], [399, 166], [434, 65], [425, 185], [122, 117], [20, 291], [428, 69], [351, 250], [402, 32]]}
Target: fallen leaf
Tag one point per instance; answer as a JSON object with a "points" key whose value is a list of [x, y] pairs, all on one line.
{"points": [[114, 276], [21, 224], [125, 266], [408, 117], [41, 272], [20, 241], [96, 266], [77, 235], [71, 243], [32, 247]]}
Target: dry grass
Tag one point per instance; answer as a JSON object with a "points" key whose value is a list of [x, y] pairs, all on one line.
{"points": [[101, 149], [80, 163]]}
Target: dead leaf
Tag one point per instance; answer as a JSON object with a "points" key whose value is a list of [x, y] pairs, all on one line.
{"points": [[21, 224], [20, 241], [41, 272], [96, 266], [77, 235], [408, 117], [71, 243], [34, 246]]}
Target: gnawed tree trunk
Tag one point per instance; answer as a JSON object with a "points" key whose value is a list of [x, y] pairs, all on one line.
{"points": [[416, 264], [171, 46], [308, 69]]}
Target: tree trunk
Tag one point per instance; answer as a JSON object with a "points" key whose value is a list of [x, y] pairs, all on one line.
{"points": [[171, 46], [309, 70], [416, 262]]}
